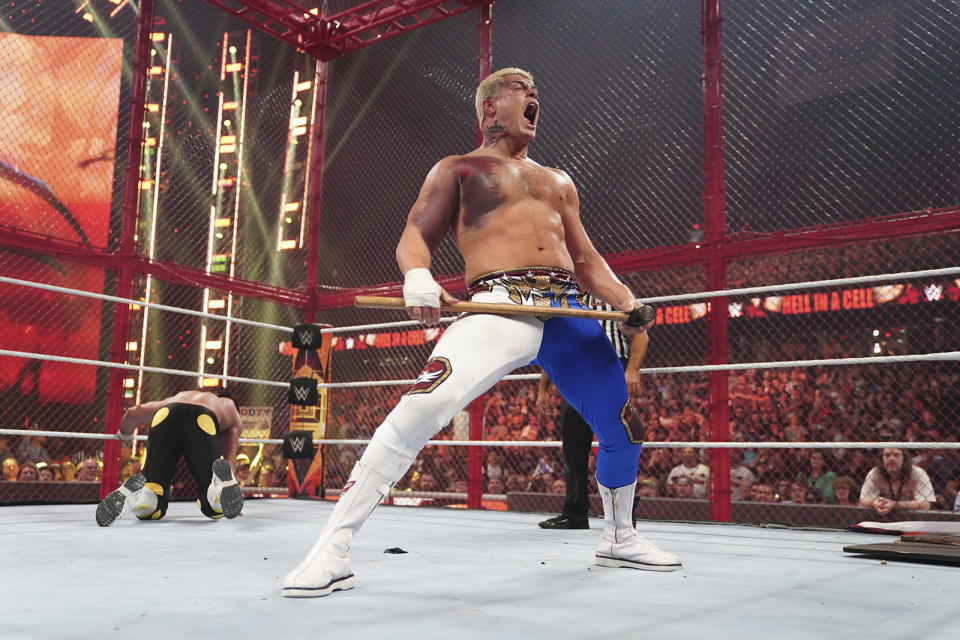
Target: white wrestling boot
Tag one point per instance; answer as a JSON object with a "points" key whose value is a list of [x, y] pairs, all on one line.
{"points": [[327, 567], [224, 494], [145, 502], [118, 502], [620, 546]]}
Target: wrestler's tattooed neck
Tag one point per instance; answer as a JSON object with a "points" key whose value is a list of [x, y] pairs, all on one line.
{"points": [[494, 134]]}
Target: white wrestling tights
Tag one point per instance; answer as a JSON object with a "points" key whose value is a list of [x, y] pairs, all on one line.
{"points": [[473, 354]]}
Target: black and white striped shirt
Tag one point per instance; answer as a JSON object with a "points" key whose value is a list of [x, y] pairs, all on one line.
{"points": [[620, 344]]}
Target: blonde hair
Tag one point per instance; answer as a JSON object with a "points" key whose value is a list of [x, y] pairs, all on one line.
{"points": [[490, 85]]}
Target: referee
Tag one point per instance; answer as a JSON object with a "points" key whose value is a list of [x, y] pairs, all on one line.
{"points": [[577, 435]]}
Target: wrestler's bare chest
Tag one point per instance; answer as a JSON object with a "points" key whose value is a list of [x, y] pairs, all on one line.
{"points": [[489, 184]]}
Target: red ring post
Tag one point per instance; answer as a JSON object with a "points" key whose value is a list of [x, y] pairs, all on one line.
{"points": [[110, 476], [715, 213]]}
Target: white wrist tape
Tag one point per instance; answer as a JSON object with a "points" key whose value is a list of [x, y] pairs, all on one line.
{"points": [[420, 289]]}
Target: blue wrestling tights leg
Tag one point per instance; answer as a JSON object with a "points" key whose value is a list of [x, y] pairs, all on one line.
{"points": [[580, 360]]}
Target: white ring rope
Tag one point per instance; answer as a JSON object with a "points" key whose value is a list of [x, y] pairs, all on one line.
{"points": [[534, 443], [136, 367], [941, 356], [786, 364], [196, 374], [792, 286], [209, 316], [812, 284], [671, 444], [826, 362], [383, 325], [904, 275], [149, 305], [61, 434]]}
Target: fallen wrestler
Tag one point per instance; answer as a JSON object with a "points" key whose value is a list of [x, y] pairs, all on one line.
{"points": [[517, 225], [197, 425]]}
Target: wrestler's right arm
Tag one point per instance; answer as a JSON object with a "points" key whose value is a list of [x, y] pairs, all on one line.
{"points": [[427, 222], [230, 431]]}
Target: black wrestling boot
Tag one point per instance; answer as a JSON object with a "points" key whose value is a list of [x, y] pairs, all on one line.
{"points": [[564, 522]]}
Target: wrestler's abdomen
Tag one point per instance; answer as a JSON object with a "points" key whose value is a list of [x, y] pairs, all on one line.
{"points": [[509, 217], [523, 235]]}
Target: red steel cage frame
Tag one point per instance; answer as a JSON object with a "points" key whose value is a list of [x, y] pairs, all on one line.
{"points": [[327, 37]]}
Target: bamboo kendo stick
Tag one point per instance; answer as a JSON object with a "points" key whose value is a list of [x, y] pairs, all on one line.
{"points": [[636, 318]]}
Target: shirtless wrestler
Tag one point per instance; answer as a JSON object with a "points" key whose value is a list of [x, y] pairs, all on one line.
{"points": [[517, 225], [197, 425]]}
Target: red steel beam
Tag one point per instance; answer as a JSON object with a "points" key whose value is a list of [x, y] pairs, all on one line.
{"points": [[378, 19], [314, 211], [484, 51], [329, 37], [888, 227], [25, 241], [896, 226], [283, 19], [738, 247], [179, 274], [110, 477]]}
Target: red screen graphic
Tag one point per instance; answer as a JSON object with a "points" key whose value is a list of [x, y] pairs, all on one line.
{"points": [[58, 119]]}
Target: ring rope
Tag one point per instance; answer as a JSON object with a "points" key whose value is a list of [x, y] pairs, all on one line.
{"points": [[942, 356], [149, 305], [382, 325], [201, 314], [786, 364], [812, 284], [669, 444], [826, 362], [136, 367], [197, 374], [905, 275]]}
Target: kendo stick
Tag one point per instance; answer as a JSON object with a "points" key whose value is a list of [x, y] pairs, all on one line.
{"points": [[638, 317]]}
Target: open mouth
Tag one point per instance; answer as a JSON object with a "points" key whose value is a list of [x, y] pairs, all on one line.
{"points": [[530, 113]]}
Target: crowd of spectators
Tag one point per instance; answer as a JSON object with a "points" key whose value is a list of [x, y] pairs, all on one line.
{"points": [[917, 402], [860, 403], [863, 403], [27, 459]]}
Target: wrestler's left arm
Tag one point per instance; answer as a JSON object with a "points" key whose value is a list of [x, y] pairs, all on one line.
{"points": [[543, 396], [638, 351], [591, 269]]}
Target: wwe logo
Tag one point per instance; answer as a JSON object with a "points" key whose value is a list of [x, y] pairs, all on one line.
{"points": [[736, 309], [297, 444], [306, 337], [301, 393], [934, 292]]}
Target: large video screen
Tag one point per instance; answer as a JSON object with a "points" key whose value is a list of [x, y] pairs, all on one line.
{"points": [[58, 119]]}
